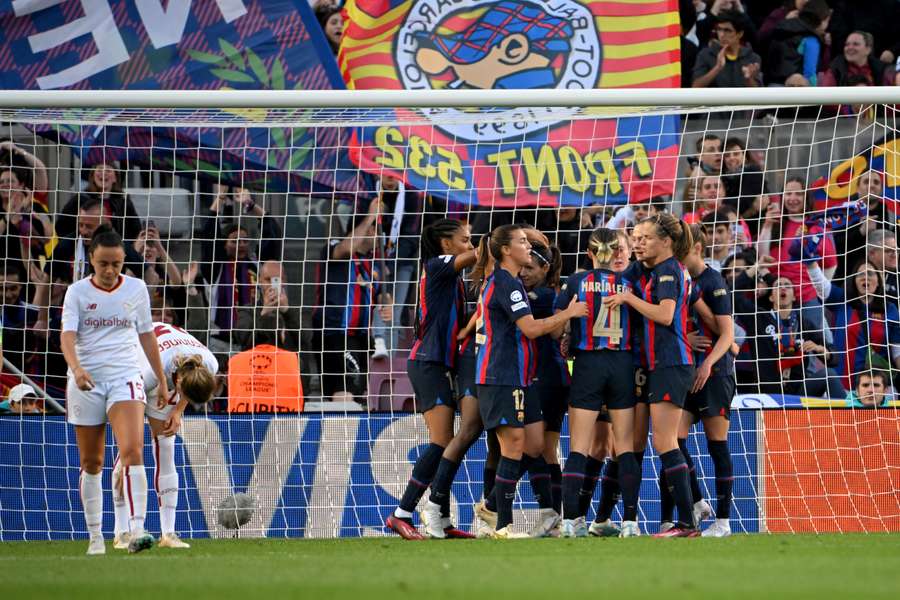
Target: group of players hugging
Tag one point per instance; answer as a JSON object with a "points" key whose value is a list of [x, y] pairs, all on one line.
{"points": [[650, 335]]}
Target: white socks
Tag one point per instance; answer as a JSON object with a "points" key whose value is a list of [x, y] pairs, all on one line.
{"points": [[120, 505], [166, 482], [136, 497], [91, 489]]}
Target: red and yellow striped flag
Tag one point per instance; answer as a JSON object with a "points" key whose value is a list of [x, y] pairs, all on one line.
{"points": [[636, 41]]}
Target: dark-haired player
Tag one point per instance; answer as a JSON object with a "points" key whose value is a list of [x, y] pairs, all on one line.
{"points": [[105, 317], [446, 249]]}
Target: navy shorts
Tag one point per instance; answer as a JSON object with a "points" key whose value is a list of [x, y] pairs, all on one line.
{"points": [[714, 400], [533, 408], [465, 377], [554, 402], [641, 389], [602, 378], [431, 383], [501, 406], [670, 384]]}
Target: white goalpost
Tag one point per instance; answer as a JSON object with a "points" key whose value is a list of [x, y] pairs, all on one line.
{"points": [[228, 197]]}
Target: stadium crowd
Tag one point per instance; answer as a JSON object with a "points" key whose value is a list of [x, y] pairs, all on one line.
{"points": [[816, 306]]}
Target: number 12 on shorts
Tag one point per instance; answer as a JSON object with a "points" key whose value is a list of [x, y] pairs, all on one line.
{"points": [[519, 400]]}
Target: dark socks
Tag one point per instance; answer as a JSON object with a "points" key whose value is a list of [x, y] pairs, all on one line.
{"points": [[679, 485], [489, 474], [505, 489], [422, 475], [539, 476], [592, 470], [609, 491], [696, 494], [666, 500], [556, 486], [573, 481], [443, 481], [630, 484], [724, 477]]}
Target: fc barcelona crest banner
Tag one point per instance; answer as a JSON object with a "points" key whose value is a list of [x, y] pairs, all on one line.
{"points": [[518, 156]]}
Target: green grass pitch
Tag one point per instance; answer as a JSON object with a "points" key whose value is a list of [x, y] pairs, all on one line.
{"points": [[761, 567]]}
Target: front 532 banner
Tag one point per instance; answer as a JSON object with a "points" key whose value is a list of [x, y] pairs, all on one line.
{"points": [[518, 156]]}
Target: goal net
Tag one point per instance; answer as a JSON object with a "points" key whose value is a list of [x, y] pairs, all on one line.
{"points": [[238, 219]]}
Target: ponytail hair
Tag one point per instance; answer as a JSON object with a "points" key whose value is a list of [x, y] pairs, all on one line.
{"points": [[699, 237], [430, 243], [107, 237], [479, 271], [549, 257], [194, 379], [502, 236], [603, 244], [670, 226]]}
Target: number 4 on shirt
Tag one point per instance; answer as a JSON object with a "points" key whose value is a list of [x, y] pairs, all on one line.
{"points": [[609, 324]]}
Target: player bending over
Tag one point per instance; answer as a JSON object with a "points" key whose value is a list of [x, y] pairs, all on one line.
{"points": [[190, 370]]}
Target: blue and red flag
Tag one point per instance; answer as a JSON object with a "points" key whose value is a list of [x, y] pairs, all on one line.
{"points": [[518, 156], [226, 44]]}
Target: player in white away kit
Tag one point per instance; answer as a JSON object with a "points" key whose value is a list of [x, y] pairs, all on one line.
{"points": [[190, 370], [100, 316]]}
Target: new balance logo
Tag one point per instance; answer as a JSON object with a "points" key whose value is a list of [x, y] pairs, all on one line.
{"points": [[91, 306]]}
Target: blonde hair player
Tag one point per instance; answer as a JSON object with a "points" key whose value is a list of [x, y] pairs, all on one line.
{"points": [[100, 316], [190, 373]]}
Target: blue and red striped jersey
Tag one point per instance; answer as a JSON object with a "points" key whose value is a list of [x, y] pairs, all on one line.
{"points": [[861, 330], [667, 345], [552, 369], [347, 296], [441, 306], [711, 286], [603, 328], [505, 356]]}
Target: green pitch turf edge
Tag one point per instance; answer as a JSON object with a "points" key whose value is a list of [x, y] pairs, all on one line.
{"points": [[761, 567]]}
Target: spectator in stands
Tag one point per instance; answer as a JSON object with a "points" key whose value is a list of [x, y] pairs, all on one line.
{"points": [[797, 46], [569, 229], [24, 223], [707, 162], [719, 228], [349, 290], [401, 226], [25, 171], [783, 225], [22, 400], [882, 254], [871, 390], [18, 316], [273, 321], [727, 62], [706, 27], [48, 299], [857, 64], [626, 217], [784, 345], [866, 328], [161, 275], [852, 242], [745, 185], [329, 17], [103, 182], [712, 200], [789, 9], [70, 256]]}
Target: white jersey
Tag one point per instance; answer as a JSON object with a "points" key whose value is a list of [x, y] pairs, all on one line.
{"points": [[173, 342], [105, 322]]}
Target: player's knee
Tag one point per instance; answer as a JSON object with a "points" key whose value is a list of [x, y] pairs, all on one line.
{"points": [[92, 465], [131, 455]]}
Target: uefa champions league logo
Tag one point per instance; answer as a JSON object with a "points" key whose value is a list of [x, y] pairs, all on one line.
{"points": [[548, 44]]}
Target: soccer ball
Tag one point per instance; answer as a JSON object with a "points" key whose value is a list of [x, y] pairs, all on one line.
{"points": [[235, 510]]}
